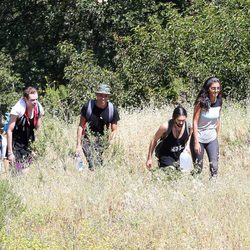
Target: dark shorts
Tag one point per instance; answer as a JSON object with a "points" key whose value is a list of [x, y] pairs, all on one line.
{"points": [[167, 161], [22, 152]]}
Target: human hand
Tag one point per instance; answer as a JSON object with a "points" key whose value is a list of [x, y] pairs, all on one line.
{"points": [[149, 164], [197, 148], [11, 157], [78, 150]]}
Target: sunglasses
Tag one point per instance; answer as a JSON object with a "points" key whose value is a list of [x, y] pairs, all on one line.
{"points": [[215, 88]]}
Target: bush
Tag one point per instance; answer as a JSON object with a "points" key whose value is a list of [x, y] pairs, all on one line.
{"points": [[9, 83], [168, 57]]}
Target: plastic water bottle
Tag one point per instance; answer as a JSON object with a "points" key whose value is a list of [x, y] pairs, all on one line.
{"points": [[186, 162], [79, 163]]}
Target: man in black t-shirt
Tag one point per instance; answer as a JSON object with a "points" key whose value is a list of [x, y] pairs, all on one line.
{"points": [[97, 116]]}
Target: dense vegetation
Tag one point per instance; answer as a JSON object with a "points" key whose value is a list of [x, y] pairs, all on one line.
{"points": [[147, 50]]}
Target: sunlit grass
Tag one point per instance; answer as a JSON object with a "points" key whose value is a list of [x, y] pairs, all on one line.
{"points": [[124, 206]]}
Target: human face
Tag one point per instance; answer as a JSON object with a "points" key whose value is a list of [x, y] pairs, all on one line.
{"points": [[31, 101], [214, 89], [180, 120], [101, 100]]}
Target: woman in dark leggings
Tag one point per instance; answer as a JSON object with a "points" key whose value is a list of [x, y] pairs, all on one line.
{"points": [[206, 124]]}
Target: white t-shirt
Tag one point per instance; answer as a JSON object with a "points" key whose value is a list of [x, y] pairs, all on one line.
{"points": [[20, 107], [208, 122]]}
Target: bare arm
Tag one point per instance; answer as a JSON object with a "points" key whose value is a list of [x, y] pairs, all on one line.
{"points": [[80, 129], [159, 133], [218, 128], [39, 122], [189, 138], [218, 125], [11, 127], [114, 129], [197, 112]]}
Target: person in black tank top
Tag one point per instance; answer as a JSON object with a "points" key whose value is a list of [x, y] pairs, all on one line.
{"points": [[173, 143]]}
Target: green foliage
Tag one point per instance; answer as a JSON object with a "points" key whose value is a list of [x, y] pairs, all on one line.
{"points": [[48, 135], [9, 83], [85, 75], [147, 63], [10, 203], [177, 53], [56, 101], [217, 44], [147, 50]]}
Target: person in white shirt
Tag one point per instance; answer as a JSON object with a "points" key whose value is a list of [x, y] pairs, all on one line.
{"points": [[25, 118], [206, 125]]}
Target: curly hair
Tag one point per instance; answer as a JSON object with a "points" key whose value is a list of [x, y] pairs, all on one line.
{"points": [[203, 96]]}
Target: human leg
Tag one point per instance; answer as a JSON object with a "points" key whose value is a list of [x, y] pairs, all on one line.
{"points": [[197, 158], [93, 153], [23, 155], [212, 150], [167, 162]]}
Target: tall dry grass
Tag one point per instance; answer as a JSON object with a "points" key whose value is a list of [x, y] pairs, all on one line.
{"points": [[124, 206]]}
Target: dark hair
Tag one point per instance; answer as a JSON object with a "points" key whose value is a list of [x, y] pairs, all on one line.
{"points": [[29, 90], [203, 96], [178, 111]]}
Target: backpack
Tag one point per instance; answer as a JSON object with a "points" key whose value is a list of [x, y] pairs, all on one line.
{"points": [[3, 147], [166, 134], [8, 115], [91, 104], [6, 121]]}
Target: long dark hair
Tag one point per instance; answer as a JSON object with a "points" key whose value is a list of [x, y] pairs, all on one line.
{"points": [[203, 96], [178, 111]]}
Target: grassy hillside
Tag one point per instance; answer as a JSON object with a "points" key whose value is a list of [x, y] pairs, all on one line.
{"points": [[124, 206]]}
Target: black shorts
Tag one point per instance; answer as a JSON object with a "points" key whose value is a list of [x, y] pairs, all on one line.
{"points": [[167, 161]]}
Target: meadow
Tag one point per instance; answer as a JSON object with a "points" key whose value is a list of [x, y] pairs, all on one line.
{"points": [[123, 205]]}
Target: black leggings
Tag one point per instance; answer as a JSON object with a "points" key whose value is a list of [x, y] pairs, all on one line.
{"points": [[212, 149]]}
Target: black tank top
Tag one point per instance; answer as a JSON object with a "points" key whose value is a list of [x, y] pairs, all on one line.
{"points": [[173, 147], [24, 131]]}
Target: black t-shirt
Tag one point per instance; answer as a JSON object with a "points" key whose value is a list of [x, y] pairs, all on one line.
{"points": [[99, 119], [173, 147]]}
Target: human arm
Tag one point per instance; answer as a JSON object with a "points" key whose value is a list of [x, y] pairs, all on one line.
{"points": [[218, 124], [114, 125], [218, 127], [11, 127], [39, 121], [159, 133], [114, 128], [196, 117], [80, 129], [187, 146]]}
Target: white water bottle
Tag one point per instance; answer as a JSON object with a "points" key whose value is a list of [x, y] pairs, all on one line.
{"points": [[186, 163], [79, 163]]}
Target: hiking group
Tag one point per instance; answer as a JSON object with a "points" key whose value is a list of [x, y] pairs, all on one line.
{"points": [[172, 139]]}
